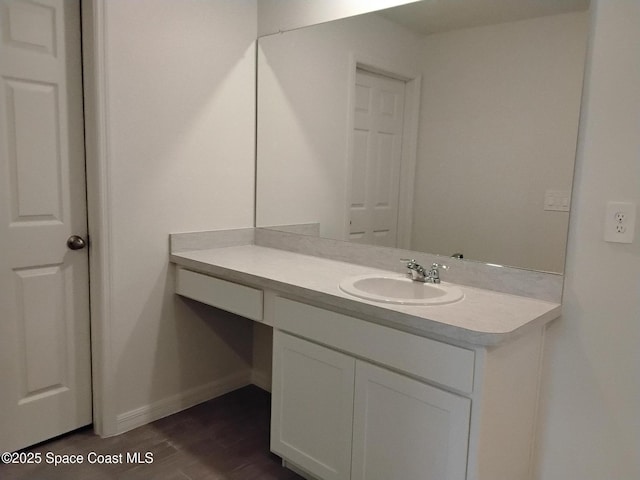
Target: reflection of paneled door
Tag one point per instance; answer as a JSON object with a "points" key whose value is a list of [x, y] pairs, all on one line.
{"points": [[376, 156], [45, 383]]}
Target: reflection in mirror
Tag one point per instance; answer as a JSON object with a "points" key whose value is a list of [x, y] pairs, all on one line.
{"points": [[386, 131]]}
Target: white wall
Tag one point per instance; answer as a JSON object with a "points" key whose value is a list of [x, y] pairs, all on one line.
{"points": [[304, 178], [499, 122], [589, 418], [281, 15], [179, 109]]}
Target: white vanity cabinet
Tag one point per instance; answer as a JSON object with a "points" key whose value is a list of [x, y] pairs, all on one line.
{"points": [[339, 418], [356, 400], [353, 398]]}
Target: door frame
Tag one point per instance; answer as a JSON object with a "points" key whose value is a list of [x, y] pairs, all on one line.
{"points": [[99, 200], [413, 82]]}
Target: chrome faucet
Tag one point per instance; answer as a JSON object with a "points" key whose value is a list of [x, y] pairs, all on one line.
{"points": [[420, 274], [434, 272], [415, 270]]}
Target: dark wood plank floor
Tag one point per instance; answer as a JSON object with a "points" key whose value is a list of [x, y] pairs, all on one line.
{"points": [[225, 438]]}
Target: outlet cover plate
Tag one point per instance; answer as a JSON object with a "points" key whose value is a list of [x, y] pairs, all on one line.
{"points": [[620, 222]]}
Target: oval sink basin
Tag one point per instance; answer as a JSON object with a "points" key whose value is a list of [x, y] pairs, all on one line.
{"points": [[401, 290]]}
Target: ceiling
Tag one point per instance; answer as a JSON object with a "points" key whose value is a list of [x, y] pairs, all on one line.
{"points": [[434, 16]]}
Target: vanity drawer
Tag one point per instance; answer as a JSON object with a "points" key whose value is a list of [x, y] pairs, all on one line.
{"points": [[422, 357], [229, 296]]}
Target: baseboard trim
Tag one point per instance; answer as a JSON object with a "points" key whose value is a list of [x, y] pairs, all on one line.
{"points": [[297, 470], [261, 380], [176, 403]]}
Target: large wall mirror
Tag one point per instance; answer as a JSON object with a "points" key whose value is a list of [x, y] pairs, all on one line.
{"points": [[439, 126]]}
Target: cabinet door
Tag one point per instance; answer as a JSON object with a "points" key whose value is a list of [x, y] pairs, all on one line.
{"points": [[312, 406], [406, 429]]}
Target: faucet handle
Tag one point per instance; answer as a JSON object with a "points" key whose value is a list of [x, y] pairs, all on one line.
{"points": [[411, 262], [435, 266], [416, 271]]}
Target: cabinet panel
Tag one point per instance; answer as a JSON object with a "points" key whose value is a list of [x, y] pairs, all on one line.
{"points": [[407, 430], [312, 406]]}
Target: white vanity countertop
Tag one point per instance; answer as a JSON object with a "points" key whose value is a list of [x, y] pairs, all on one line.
{"points": [[483, 317]]}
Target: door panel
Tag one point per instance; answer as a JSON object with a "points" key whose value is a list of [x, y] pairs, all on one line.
{"points": [[32, 107], [44, 299], [30, 26], [41, 324]]}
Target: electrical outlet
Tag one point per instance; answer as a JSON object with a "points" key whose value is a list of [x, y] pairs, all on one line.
{"points": [[619, 224]]}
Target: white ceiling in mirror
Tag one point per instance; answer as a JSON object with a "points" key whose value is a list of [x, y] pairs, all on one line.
{"points": [[435, 16], [276, 16], [489, 123]]}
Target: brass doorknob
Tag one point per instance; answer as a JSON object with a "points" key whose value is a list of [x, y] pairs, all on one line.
{"points": [[76, 242]]}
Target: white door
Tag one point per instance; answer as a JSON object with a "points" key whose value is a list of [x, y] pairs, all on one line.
{"points": [[45, 384], [406, 429], [312, 406], [375, 159]]}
